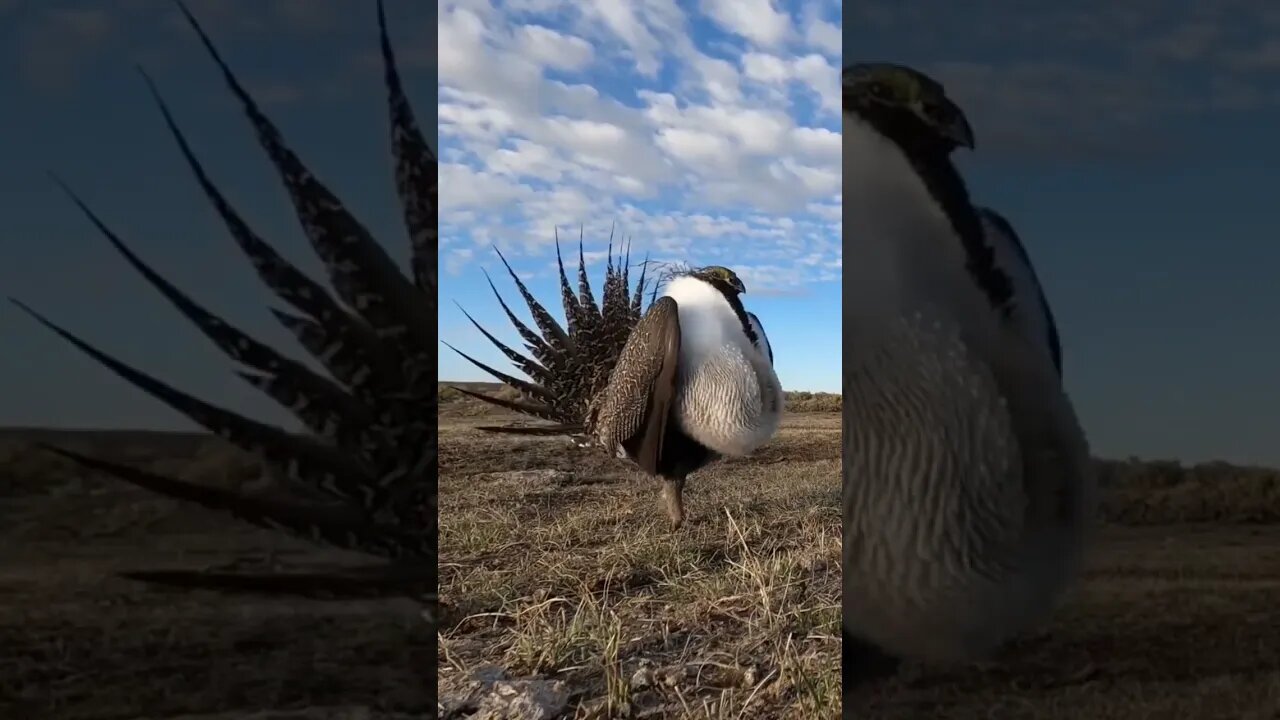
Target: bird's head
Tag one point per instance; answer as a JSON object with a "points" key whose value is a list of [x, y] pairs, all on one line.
{"points": [[906, 105], [721, 277]]}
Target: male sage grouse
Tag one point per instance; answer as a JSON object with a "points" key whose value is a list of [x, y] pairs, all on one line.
{"points": [[967, 481], [365, 476], [671, 389]]}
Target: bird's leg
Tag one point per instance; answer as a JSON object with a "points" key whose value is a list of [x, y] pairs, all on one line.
{"points": [[672, 496]]}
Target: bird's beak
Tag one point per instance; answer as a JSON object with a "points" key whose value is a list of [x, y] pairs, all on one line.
{"points": [[737, 285], [959, 130]]}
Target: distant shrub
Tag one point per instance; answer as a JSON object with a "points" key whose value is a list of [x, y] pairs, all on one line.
{"points": [[1137, 492], [1134, 491], [802, 401], [457, 403]]}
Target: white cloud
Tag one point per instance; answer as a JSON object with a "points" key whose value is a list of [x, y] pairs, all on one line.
{"points": [[756, 20], [625, 23], [603, 112], [695, 148], [466, 188], [813, 72], [526, 158], [457, 258], [816, 142], [766, 68], [823, 36], [553, 49], [718, 78]]}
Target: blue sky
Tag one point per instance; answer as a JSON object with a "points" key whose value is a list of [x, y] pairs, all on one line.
{"points": [[708, 132], [1133, 145], [75, 105]]}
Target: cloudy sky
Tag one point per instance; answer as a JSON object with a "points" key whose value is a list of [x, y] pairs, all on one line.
{"points": [[707, 131], [75, 105], [1134, 147]]}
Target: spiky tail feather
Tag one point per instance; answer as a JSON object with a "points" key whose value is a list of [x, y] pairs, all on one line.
{"points": [[566, 369], [373, 448]]}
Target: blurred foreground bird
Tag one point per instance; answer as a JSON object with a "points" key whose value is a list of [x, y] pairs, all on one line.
{"points": [[671, 388], [364, 477], [968, 487]]}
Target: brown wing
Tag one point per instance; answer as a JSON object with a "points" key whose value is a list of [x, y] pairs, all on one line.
{"points": [[634, 408]]}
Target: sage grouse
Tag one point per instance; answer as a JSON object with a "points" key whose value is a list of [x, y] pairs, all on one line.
{"points": [[671, 389], [365, 476], [968, 487]]}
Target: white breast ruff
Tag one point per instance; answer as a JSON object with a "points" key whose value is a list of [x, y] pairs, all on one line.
{"points": [[729, 398]]}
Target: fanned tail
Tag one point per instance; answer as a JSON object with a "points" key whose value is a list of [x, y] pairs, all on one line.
{"points": [[371, 448], [565, 369]]}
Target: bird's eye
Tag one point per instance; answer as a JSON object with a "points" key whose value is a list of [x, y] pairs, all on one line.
{"points": [[878, 90]]}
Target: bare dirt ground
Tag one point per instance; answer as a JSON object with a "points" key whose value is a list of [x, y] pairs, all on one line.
{"points": [[1177, 622], [77, 643]]}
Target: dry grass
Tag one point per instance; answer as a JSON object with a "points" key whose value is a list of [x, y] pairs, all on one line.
{"points": [[76, 642], [558, 563]]}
